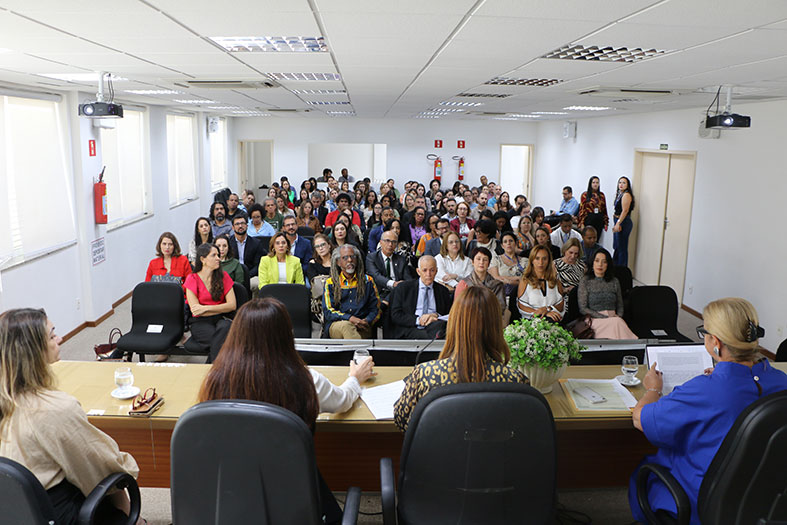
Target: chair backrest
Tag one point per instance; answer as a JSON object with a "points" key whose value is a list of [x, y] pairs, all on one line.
{"points": [[653, 307], [246, 278], [626, 280], [305, 231], [479, 453], [747, 475], [157, 303], [22, 498], [243, 462], [572, 308], [296, 298], [241, 295], [266, 241], [781, 353]]}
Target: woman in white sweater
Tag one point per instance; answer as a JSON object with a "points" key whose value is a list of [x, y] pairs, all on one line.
{"points": [[452, 265]]}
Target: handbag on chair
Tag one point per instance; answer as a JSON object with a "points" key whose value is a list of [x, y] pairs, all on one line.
{"points": [[105, 351]]}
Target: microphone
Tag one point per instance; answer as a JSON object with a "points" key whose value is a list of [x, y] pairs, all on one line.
{"points": [[421, 351]]}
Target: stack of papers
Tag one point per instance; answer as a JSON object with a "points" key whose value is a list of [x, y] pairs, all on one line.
{"points": [[617, 396], [381, 399], [678, 363]]}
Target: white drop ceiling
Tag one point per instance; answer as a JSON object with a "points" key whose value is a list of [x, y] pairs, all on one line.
{"points": [[399, 59]]}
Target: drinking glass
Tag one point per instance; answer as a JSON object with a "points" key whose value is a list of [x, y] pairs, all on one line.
{"points": [[124, 378], [361, 355], [630, 368]]}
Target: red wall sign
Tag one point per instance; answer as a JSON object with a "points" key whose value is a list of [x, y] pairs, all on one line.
{"points": [[438, 143], [91, 148], [460, 144]]}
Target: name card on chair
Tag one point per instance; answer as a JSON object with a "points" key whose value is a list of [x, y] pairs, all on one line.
{"points": [[155, 328]]}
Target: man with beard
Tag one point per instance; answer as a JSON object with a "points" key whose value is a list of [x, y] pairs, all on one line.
{"points": [[233, 207], [351, 304], [218, 219], [249, 249]]}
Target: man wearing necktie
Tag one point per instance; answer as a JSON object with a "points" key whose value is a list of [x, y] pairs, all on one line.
{"points": [[416, 305], [387, 268]]}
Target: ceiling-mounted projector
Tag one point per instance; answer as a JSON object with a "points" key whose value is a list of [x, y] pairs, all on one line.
{"points": [[728, 121], [100, 110]]}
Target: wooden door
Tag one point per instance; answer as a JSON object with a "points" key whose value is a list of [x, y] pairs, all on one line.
{"points": [[650, 191], [677, 222]]}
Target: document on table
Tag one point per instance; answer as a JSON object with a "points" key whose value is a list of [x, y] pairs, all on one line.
{"points": [[617, 396], [381, 399], [678, 363]]}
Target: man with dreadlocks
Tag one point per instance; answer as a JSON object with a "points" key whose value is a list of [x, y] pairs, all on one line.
{"points": [[351, 304]]}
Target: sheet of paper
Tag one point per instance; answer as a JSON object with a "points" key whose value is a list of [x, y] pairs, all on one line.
{"points": [[679, 363], [444, 318], [617, 396], [155, 328], [381, 399]]}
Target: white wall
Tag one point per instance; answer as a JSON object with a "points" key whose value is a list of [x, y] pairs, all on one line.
{"points": [[357, 158], [408, 142], [737, 243]]}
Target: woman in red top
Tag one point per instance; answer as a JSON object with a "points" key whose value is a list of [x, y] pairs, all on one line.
{"points": [[209, 294], [169, 265], [593, 208]]}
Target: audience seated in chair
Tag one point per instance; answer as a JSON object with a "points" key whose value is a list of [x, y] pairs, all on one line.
{"points": [[452, 264], [690, 423], [168, 265], [218, 219], [300, 247], [259, 227], [589, 245], [202, 234], [417, 304], [388, 269], [540, 292], [246, 248], [351, 304], [433, 246], [376, 233], [279, 266], [272, 215], [600, 297], [571, 267], [46, 430], [481, 258], [229, 260], [474, 352], [561, 235], [209, 295]]}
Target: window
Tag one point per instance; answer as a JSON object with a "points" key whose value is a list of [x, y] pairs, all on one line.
{"points": [[124, 154], [218, 156], [36, 195], [181, 157]]}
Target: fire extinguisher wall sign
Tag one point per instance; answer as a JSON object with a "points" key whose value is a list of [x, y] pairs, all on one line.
{"points": [[100, 199], [438, 165]]}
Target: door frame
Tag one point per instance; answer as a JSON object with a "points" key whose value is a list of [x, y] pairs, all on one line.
{"points": [[243, 177]]}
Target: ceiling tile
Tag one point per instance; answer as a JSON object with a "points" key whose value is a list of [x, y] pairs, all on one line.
{"points": [[715, 13], [598, 11]]}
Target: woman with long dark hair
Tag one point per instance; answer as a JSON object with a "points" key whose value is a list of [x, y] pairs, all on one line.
{"points": [[599, 295], [593, 207], [46, 430], [209, 295], [474, 352], [203, 233], [624, 205]]}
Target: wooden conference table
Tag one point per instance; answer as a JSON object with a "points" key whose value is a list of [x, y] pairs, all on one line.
{"points": [[593, 450]]}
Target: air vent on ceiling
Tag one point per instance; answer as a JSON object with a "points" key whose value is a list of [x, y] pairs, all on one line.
{"points": [[232, 84], [628, 94], [287, 110], [490, 113], [484, 95], [604, 54], [539, 82]]}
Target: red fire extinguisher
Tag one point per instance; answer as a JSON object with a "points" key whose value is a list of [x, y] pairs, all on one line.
{"points": [[100, 199], [438, 166], [460, 171]]}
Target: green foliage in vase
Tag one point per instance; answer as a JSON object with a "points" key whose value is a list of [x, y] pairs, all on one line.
{"points": [[537, 342]]}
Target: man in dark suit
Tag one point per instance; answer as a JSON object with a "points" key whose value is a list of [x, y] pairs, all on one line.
{"points": [[433, 245], [320, 211], [301, 247], [417, 304], [248, 248], [388, 269]]}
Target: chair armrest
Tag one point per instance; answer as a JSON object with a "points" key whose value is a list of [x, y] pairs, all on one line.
{"points": [[388, 491], [678, 494], [351, 505], [120, 480]]}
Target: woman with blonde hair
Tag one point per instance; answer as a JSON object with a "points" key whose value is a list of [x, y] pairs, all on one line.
{"points": [[452, 265], [474, 352], [46, 430], [279, 266], [690, 423], [540, 292]]}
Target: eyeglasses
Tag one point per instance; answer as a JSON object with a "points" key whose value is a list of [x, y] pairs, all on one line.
{"points": [[144, 399], [387, 241], [321, 245], [701, 332]]}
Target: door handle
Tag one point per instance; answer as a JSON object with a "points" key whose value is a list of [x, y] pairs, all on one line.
{"points": [[666, 222]]}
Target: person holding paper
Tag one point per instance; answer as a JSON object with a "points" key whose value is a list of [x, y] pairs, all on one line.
{"points": [[690, 423], [474, 352]]}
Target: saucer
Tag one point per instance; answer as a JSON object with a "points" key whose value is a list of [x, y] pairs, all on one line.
{"points": [[125, 393], [622, 380]]}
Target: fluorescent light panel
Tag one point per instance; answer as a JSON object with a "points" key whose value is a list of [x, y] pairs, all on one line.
{"points": [[463, 104], [194, 101], [153, 92], [319, 91], [604, 53], [328, 102], [550, 113], [538, 82], [519, 115], [587, 108], [80, 77], [306, 77], [223, 107], [272, 44]]}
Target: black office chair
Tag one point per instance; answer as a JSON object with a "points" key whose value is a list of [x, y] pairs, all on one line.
{"points": [[305, 231], [475, 453], [154, 304], [654, 308], [297, 299], [246, 278], [572, 307], [241, 295], [266, 242], [24, 500], [246, 462], [781, 353], [626, 280], [745, 482]]}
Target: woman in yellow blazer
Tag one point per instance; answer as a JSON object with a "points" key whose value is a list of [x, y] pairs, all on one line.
{"points": [[279, 266]]}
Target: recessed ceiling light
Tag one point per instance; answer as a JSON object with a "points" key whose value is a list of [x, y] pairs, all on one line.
{"points": [[271, 44], [550, 113], [426, 116], [464, 104], [340, 113], [223, 107], [249, 113], [586, 108], [194, 101], [319, 91], [153, 92], [328, 102], [520, 115], [506, 118], [80, 77], [447, 110], [305, 77], [485, 95], [539, 82], [604, 54]]}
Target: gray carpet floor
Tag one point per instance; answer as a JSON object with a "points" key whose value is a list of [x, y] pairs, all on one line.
{"points": [[605, 506]]}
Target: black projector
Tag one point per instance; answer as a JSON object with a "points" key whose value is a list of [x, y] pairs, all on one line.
{"points": [[728, 121], [100, 110]]}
